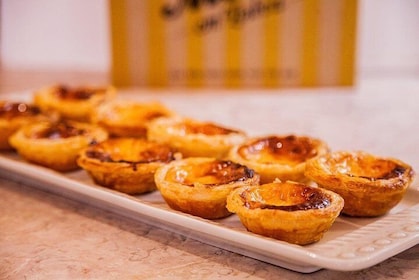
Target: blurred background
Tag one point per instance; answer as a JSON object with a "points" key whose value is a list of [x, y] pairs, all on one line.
{"points": [[74, 35]]}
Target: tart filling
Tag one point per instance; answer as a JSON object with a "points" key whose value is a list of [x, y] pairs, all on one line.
{"points": [[289, 211], [370, 185], [278, 157], [73, 103], [124, 118], [199, 186], [125, 164], [12, 110], [14, 115], [195, 138], [55, 144]]}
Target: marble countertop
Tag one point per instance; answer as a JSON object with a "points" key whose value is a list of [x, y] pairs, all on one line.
{"points": [[47, 236]]}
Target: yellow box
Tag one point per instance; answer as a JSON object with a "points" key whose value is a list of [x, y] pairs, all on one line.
{"points": [[233, 43]]}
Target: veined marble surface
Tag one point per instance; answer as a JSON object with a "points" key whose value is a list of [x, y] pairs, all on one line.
{"points": [[45, 236]]}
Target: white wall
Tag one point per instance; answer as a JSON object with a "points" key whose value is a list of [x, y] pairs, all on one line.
{"points": [[74, 34], [55, 34], [388, 40]]}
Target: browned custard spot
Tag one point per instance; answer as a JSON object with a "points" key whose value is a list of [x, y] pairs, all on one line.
{"points": [[369, 167], [286, 197], [205, 128], [136, 113], [288, 150], [148, 116], [9, 110], [212, 173], [65, 92], [108, 152], [58, 131]]}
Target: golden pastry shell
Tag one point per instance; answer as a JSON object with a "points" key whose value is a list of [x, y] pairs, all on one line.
{"points": [[298, 226], [200, 199], [370, 185], [125, 164], [78, 109], [271, 170], [59, 154], [127, 118], [209, 139]]}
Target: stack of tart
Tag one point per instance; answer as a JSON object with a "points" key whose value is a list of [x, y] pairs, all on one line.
{"points": [[62, 126], [287, 187]]}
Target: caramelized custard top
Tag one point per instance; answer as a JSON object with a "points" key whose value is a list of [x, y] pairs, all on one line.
{"points": [[65, 92], [9, 110], [58, 131], [134, 113], [284, 196], [217, 172], [366, 166], [154, 114], [133, 151], [206, 128], [290, 150]]}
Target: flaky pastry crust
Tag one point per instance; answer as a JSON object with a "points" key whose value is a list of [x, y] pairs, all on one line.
{"points": [[199, 186], [195, 138], [370, 185], [125, 164], [56, 145], [72, 103], [278, 157], [288, 211], [125, 118], [14, 115]]}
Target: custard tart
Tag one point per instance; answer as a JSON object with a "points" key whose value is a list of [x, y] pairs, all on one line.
{"points": [[125, 118], [55, 144], [194, 138], [287, 211], [199, 186], [278, 157], [73, 103], [125, 164], [370, 185], [14, 115]]}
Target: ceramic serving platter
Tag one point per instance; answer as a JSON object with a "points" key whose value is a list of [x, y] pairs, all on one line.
{"points": [[351, 243]]}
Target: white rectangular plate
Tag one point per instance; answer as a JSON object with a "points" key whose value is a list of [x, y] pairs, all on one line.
{"points": [[351, 243]]}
